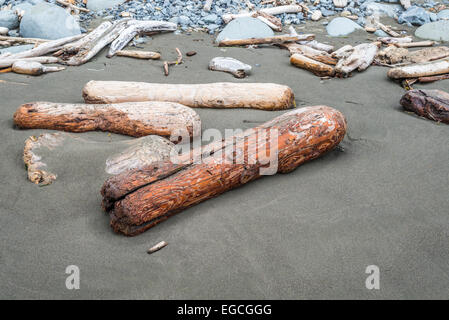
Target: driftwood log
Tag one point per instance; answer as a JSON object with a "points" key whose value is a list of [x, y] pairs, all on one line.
{"points": [[431, 104], [318, 55], [272, 11], [431, 68], [318, 68], [133, 119], [139, 199], [233, 66], [139, 54], [45, 48], [360, 58], [33, 68], [135, 28], [266, 96], [269, 40]]}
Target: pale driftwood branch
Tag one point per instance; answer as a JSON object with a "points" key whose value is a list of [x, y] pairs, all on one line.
{"points": [[157, 247], [138, 27], [133, 119], [318, 55], [93, 47], [178, 61], [72, 6], [266, 96], [269, 40], [23, 40], [432, 104], [136, 200], [5, 63], [74, 47], [33, 68], [394, 40], [272, 11], [270, 20], [388, 30], [313, 43], [414, 44], [139, 54], [318, 68], [45, 48], [420, 70]]}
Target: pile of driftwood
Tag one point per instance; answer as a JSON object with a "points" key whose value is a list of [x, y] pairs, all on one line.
{"points": [[424, 65], [77, 50]]}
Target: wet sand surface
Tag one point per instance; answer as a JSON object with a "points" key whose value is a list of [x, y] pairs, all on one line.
{"points": [[380, 199]]}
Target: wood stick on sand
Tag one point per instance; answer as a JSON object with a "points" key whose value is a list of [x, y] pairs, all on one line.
{"points": [[269, 40], [139, 54]]}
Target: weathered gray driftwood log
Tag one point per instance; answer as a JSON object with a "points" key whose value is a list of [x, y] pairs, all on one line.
{"points": [[135, 28], [432, 104], [133, 119], [137, 200], [33, 68], [266, 96], [431, 68]]}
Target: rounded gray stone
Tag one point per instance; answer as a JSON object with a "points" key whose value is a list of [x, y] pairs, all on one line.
{"points": [[48, 22], [340, 26], [437, 31], [245, 28]]}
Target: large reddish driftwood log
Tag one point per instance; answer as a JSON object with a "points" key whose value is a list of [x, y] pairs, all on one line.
{"points": [[133, 119], [432, 104], [139, 199], [266, 96]]}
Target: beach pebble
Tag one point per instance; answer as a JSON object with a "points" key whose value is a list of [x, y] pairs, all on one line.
{"points": [[341, 27], [316, 15], [3, 31], [245, 28], [9, 19], [97, 5], [437, 31], [48, 22]]}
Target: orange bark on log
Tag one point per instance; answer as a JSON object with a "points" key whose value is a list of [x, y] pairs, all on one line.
{"points": [[318, 68], [137, 200], [133, 119], [265, 96]]}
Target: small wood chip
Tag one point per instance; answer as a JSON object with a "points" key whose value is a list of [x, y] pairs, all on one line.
{"points": [[157, 247]]}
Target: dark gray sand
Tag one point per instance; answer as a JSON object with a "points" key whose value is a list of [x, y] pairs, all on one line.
{"points": [[382, 199]]}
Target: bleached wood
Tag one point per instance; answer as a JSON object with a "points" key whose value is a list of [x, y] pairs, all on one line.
{"points": [[420, 70], [5, 63], [272, 11], [136, 28], [266, 96]]}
